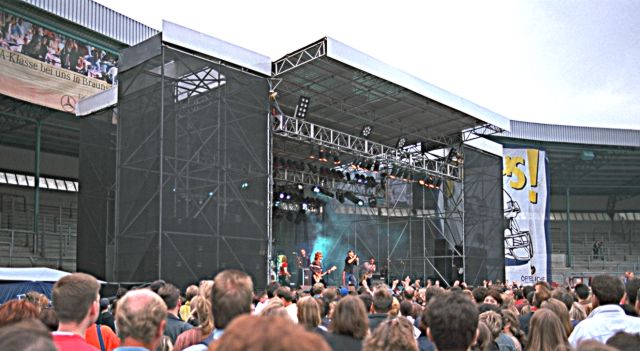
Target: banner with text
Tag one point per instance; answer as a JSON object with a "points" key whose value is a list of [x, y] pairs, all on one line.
{"points": [[47, 68], [527, 245]]}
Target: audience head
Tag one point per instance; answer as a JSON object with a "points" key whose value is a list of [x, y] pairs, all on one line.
{"points": [[561, 311], [27, 335], [493, 297], [309, 312], [394, 334], [75, 299], [631, 289], [624, 341], [40, 300], [484, 337], [546, 331], [230, 296], [268, 334], [141, 317], [350, 318], [14, 311], [382, 299], [191, 292], [577, 312], [593, 345], [49, 318], [479, 293], [170, 295], [493, 321], [453, 321], [607, 290], [367, 299], [582, 291], [201, 309]]}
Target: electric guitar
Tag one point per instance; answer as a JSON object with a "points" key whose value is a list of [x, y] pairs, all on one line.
{"points": [[318, 276]]}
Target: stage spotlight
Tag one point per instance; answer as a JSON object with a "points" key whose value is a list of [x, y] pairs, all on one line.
{"points": [[282, 195], [348, 176], [340, 196], [287, 196], [373, 202], [336, 159], [316, 189], [377, 166], [300, 188], [401, 143], [353, 198], [303, 107], [322, 155], [366, 131], [326, 192], [313, 153]]}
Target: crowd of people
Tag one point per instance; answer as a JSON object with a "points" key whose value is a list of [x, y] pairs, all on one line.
{"points": [[21, 36], [227, 314]]}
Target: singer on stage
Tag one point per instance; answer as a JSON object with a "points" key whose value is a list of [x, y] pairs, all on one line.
{"points": [[350, 263]]}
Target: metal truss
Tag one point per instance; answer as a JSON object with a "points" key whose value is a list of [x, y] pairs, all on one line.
{"points": [[306, 178], [301, 130], [300, 57]]}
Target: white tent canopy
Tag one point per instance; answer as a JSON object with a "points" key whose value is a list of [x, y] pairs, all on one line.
{"points": [[35, 274]]}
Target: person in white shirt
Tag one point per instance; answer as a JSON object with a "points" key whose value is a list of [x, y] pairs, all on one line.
{"points": [[607, 317]]}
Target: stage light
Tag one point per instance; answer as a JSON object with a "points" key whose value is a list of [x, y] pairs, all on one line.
{"points": [[336, 159], [377, 166], [401, 143], [316, 189], [366, 131], [326, 192], [244, 185], [348, 176], [322, 155], [281, 195], [300, 188], [373, 202], [303, 107], [287, 196], [313, 154], [353, 198]]}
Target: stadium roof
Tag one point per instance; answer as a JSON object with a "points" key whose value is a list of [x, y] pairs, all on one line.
{"points": [[585, 160]]}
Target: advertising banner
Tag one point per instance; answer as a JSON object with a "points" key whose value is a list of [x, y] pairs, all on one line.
{"points": [[47, 68], [527, 244]]}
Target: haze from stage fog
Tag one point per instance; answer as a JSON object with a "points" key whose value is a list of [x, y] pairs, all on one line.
{"points": [[574, 62]]}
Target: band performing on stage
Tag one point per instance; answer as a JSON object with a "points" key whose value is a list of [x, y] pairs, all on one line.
{"points": [[309, 272]]}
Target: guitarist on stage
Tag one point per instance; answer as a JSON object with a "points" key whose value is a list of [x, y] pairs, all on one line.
{"points": [[316, 268]]}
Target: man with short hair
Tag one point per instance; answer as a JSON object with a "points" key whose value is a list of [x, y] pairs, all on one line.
{"points": [[231, 296], [583, 297], [382, 301], [75, 299], [453, 322], [607, 316], [175, 326], [141, 318]]}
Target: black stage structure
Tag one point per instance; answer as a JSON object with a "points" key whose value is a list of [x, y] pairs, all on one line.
{"points": [[192, 164], [226, 160]]}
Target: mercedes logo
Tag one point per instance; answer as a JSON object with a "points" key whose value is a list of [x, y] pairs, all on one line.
{"points": [[68, 103]]}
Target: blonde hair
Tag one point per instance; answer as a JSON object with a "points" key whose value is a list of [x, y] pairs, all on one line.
{"points": [[309, 312]]}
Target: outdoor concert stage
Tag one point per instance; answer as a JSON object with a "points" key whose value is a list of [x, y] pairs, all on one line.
{"points": [[228, 160]]}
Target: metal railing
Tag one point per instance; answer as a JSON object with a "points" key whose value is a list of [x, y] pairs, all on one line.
{"points": [[46, 248]]}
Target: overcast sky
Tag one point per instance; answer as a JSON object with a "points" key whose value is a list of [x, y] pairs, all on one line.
{"points": [[573, 62]]}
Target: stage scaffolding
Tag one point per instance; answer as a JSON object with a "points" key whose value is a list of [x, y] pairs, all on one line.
{"points": [[192, 167]]}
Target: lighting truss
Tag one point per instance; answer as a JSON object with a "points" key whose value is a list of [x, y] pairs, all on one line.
{"points": [[310, 179], [302, 130]]}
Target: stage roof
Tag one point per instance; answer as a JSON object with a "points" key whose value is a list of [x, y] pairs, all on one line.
{"points": [[349, 89]]}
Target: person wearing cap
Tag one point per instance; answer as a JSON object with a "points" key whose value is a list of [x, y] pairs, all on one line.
{"points": [[106, 317]]}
